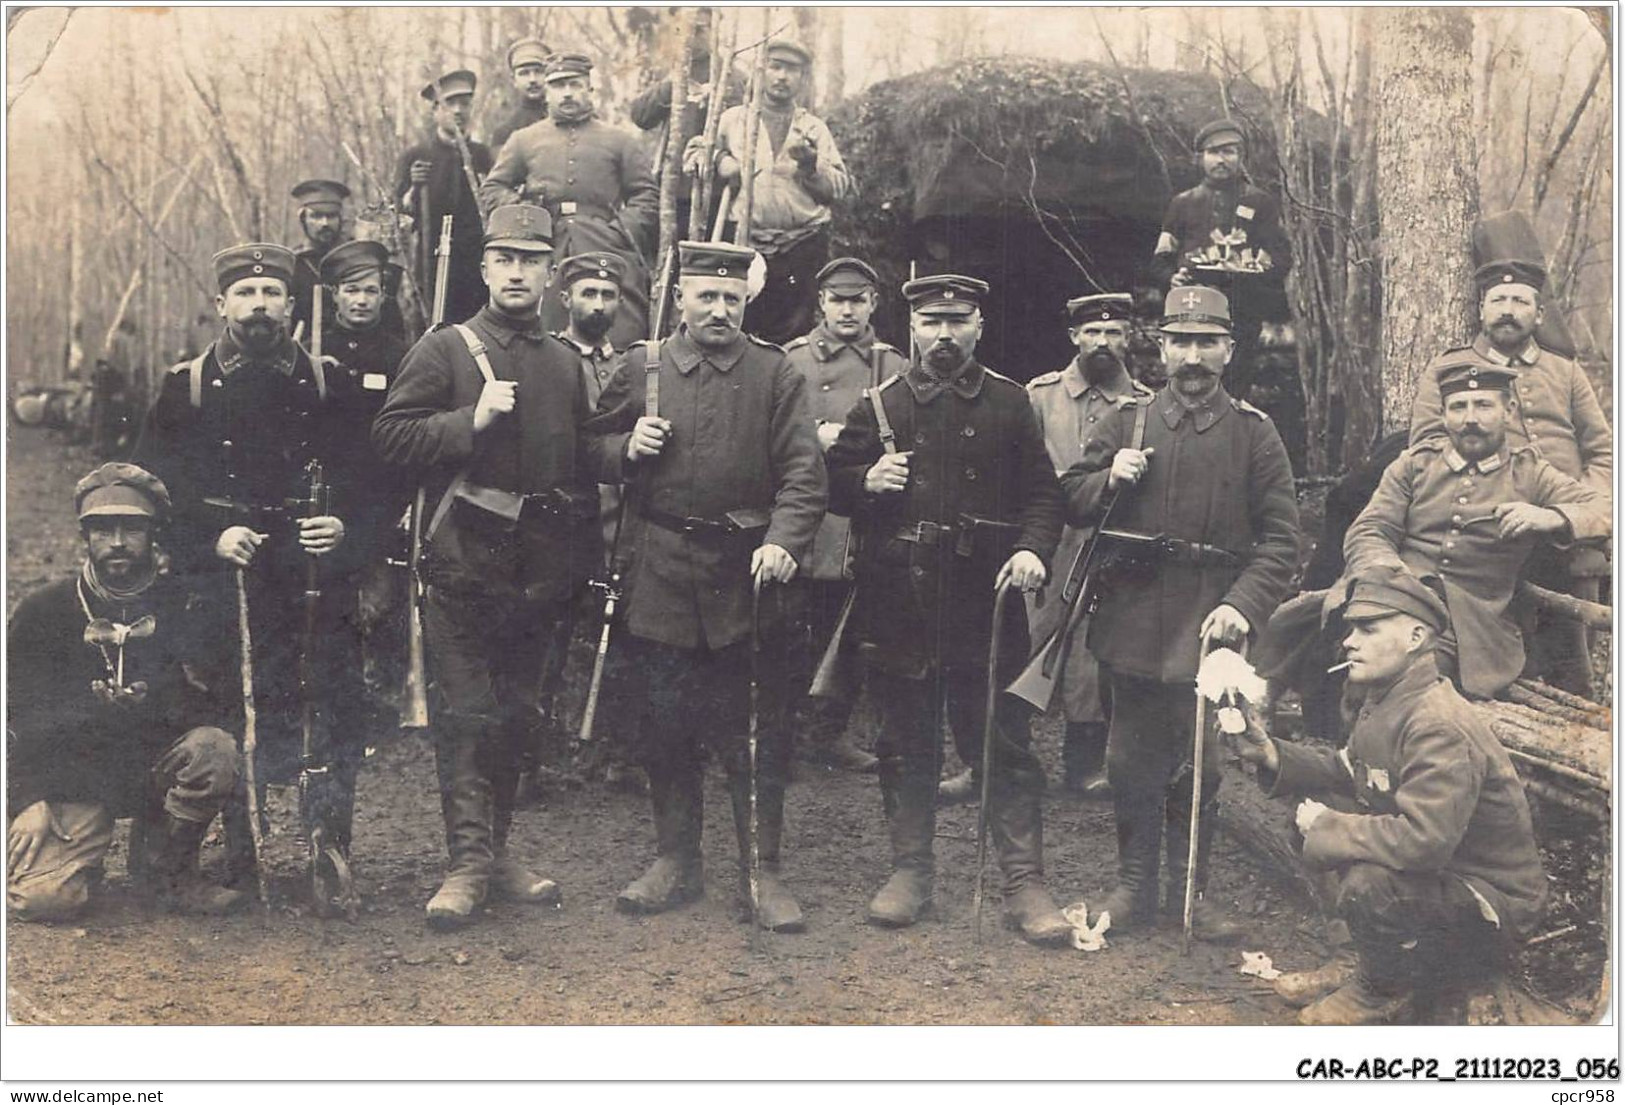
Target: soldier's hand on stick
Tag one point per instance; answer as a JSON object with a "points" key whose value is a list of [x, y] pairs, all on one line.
{"points": [[321, 534], [1024, 571], [497, 397], [237, 544], [1225, 624], [696, 154], [419, 171], [1128, 466], [772, 563], [648, 438], [29, 832], [889, 474]]}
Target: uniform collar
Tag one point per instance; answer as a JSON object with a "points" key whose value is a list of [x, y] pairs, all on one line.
{"points": [[230, 356], [966, 382], [687, 353], [1418, 677], [826, 344], [1528, 355], [1076, 384], [603, 351], [1203, 417], [1458, 463], [503, 329]]}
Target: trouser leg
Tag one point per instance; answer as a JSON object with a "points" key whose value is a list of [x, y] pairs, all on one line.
{"points": [[1140, 757], [1415, 931], [68, 869]]}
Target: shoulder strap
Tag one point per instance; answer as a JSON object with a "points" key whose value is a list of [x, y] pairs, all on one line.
{"points": [[888, 439], [874, 365], [195, 384], [651, 378], [1140, 411], [476, 349]]}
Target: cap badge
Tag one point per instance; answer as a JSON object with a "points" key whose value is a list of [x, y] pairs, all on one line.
{"points": [[258, 255], [258, 268], [947, 293], [1191, 301]]}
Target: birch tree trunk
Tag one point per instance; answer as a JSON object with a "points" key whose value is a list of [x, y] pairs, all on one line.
{"points": [[1427, 192]]}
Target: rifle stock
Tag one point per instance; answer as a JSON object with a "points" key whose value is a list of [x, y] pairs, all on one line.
{"points": [[836, 675]]}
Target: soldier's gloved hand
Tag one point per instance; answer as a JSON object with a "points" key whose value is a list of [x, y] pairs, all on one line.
{"points": [[771, 563], [320, 534], [1225, 624], [1520, 518], [30, 830], [696, 154], [496, 397], [1024, 571], [648, 438], [419, 171], [237, 544], [888, 474], [1127, 467], [1309, 812]]}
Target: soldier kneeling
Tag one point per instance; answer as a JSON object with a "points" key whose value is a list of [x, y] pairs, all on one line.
{"points": [[110, 717]]}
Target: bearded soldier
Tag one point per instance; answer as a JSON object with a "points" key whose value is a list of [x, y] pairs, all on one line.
{"points": [[968, 504]]}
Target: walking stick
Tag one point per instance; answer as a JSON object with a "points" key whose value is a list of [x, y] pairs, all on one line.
{"points": [[1196, 804], [989, 728], [755, 869], [250, 741]]}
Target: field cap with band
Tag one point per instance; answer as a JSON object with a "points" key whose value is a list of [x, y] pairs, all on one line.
{"points": [[459, 82], [121, 490], [251, 259], [520, 226], [1195, 310], [1110, 307], [946, 294]]}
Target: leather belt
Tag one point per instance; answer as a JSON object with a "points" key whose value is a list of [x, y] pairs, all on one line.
{"points": [[732, 524], [1175, 549], [933, 534]]}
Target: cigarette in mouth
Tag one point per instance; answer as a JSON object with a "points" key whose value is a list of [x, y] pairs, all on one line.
{"points": [[1344, 666]]}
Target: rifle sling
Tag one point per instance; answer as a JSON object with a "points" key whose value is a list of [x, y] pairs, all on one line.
{"points": [[476, 349]]}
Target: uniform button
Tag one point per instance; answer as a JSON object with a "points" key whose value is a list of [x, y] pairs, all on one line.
{"points": [[1449, 544], [970, 473], [969, 431], [919, 439], [918, 572], [823, 387], [217, 382], [1091, 418], [226, 444], [1456, 518], [1461, 498], [920, 481]]}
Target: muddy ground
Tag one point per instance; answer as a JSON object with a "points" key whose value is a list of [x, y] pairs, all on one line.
{"points": [[586, 964]]}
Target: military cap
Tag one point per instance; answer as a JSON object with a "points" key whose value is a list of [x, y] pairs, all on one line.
{"points": [[1384, 592], [1466, 371], [1532, 273], [121, 490], [459, 82], [1195, 310], [1111, 307], [1220, 132], [714, 259], [527, 51], [521, 226], [592, 266], [946, 294], [320, 193], [560, 66], [346, 260], [253, 259], [847, 275], [784, 49]]}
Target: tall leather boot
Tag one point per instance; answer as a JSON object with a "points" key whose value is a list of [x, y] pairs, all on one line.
{"points": [[511, 879], [1209, 921], [172, 861], [1017, 824], [1138, 817], [777, 910], [677, 874], [466, 805], [906, 895], [1083, 759]]}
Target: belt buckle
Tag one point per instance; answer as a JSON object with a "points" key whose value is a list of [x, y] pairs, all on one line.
{"points": [[692, 524], [567, 207], [927, 533]]}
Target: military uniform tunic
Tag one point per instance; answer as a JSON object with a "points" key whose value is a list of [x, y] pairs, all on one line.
{"points": [[449, 194], [837, 373], [1425, 516], [597, 367], [595, 181], [1070, 412]]}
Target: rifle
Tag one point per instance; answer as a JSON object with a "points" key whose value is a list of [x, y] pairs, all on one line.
{"points": [[469, 174], [331, 886], [414, 712]]}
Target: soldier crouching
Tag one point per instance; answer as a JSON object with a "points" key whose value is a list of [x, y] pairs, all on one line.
{"points": [[110, 717]]}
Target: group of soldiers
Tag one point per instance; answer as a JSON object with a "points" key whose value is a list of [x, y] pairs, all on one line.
{"points": [[750, 507]]}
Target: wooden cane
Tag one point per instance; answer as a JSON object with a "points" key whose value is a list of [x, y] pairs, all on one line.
{"points": [[1196, 804], [755, 870], [989, 730], [250, 742]]}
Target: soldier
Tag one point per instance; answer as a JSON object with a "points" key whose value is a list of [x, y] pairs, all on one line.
{"points": [[321, 217], [486, 413], [596, 182], [109, 716], [527, 61], [233, 434], [1471, 507], [1072, 404], [799, 174], [969, 505], [1226, 234], [715, 441], [1424, 826], [433, 179], [1555, 411], [1207, 473], [840, 358], [362, 357]]}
